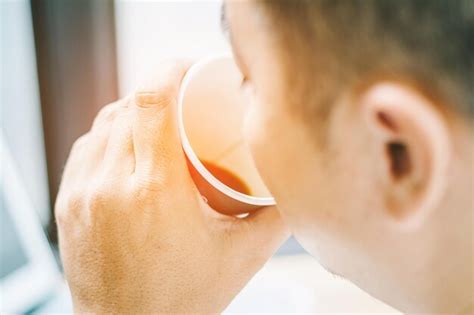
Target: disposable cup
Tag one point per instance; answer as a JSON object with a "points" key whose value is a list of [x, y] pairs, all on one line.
{"points": [[211, 114]]}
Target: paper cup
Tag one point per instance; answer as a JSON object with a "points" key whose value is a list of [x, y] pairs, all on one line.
{"points": [[211, 113]]}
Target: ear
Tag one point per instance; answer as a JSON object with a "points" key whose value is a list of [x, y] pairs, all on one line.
{"points": [[413, 142]]}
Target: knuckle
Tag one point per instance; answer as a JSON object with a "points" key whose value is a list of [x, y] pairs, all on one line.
{"points": [[162, 90], [75, 201], [60, 211], [68, 207], [107, 113], [160, 96], [79, 143], [98, 199]]}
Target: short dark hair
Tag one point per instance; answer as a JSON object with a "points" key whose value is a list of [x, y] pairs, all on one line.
{"points": [[430, 42]]}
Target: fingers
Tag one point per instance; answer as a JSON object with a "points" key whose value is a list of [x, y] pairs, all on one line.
{"points": [[99, 135], [88, 151], [135, 135], [73, 164], [155, 130], [119, 158], [107, 114]]}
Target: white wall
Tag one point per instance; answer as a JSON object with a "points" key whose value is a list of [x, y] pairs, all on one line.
{"points": [[151, 31], [20, 113]]}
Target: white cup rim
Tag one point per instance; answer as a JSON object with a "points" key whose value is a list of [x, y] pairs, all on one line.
{"points": [[197, 164]]}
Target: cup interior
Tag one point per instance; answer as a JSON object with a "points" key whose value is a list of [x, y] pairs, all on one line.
{"points": [[212, 113]]}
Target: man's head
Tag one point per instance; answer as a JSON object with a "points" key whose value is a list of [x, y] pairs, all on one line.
{"points": [[361, 126]]}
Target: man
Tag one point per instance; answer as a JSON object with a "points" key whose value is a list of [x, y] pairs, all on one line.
{"points": [[361, 125]]}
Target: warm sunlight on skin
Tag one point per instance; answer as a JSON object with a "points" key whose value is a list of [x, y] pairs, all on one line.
{"points": [[386, 199], [374, 176], [135, 235]]}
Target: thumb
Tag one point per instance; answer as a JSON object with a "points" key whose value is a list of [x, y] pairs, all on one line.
{"points": [[266, 230]]}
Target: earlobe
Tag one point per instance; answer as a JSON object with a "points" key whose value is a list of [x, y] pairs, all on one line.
{"points": [[414, 146]]}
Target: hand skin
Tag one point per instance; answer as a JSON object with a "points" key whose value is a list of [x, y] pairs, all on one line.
{"points": [[135, 235]]}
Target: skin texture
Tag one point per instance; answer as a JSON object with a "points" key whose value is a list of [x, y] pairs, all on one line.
{"points": [[135, 235], [396, 223], [380, 192]]}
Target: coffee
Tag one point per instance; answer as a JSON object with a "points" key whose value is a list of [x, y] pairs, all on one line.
{"points": [[227, 177]]}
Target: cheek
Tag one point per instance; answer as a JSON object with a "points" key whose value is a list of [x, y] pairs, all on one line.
{"points": [[261, 135], [255, 134], [293, 168], [276, 150], [289, 165]]}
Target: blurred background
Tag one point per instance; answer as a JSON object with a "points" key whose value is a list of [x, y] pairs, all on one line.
{"points": [[61, 61]]}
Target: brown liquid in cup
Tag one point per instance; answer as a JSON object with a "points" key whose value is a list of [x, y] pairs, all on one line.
{"points": [[227, 177]]}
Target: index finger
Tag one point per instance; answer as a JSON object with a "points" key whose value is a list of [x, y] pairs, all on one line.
{"points": [[155, 129]]}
